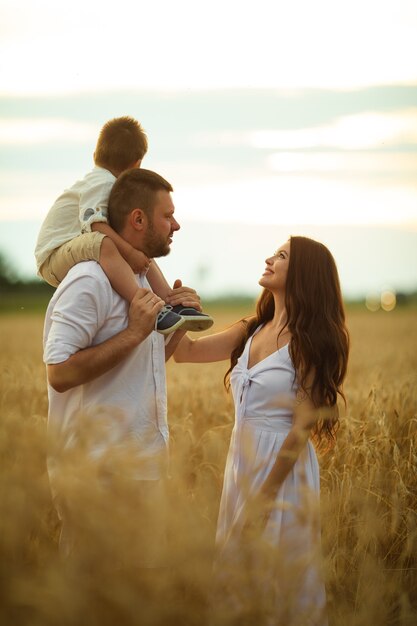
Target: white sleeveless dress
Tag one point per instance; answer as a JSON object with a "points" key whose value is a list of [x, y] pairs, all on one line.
{"points": [[287, 569]]}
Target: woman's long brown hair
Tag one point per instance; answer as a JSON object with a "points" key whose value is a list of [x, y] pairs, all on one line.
{"points": [[319, 345]]}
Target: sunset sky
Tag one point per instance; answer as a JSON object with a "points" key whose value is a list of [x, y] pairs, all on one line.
{"points": [[49, 47], [298, 115]]}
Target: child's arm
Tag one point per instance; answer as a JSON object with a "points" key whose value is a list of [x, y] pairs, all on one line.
{"points": [[137, 260], [120, 261], [93, 216]]}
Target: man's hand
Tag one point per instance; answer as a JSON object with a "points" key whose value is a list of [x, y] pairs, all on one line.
{"points": [[138, 261], [183, 295], [90, 363], [144, 308]]}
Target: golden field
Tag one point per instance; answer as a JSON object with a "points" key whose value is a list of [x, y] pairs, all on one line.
{"points": [[368, 500]]}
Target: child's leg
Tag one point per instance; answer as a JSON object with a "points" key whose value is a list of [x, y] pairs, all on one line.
{"points": [[123, 280], [91, 247], [117, 270], [85, 247], [158, 281], [193, 319]]}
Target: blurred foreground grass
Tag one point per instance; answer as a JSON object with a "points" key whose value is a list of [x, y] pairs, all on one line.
{"points": [[368, 509]]}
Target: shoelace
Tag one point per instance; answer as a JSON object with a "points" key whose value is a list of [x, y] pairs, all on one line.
{"points": [[162, 314]]}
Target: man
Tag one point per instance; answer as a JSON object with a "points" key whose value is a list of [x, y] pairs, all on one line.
{"points": [[106, 382]]}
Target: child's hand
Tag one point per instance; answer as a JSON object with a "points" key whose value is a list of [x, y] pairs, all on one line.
{"points": [[138, 261]]}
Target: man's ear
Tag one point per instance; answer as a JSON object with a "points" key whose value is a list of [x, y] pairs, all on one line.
{"points": [[137, 219]]}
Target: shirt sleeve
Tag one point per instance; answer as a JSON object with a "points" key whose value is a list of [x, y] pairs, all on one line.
{"points": [[93, 205], [79, 312]]}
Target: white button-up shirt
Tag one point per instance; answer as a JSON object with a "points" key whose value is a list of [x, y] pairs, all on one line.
{"points": [[130, 399]]}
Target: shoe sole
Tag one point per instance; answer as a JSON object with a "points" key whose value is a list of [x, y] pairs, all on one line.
{"points": [[171, 329], [196, 323]]}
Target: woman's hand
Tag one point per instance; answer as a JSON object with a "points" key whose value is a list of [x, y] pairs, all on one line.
{"points": [[257, 513]]}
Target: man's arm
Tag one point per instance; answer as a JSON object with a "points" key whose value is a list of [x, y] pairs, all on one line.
{"points": [[91, 362]]}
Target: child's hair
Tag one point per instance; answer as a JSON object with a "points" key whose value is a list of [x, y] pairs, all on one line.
{"points": [[122, 142]]}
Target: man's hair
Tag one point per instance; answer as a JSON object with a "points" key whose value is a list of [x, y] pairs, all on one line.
{"points": [[134, 189], [122, 142]]}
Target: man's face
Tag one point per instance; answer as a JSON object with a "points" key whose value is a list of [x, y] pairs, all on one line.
{"points": [[161, 227]]}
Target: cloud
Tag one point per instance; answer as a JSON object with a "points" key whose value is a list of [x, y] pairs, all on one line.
{"points": [[298, 199], [48, 47], [352, 132], [40, 131], [365, 164], [361, 131]]}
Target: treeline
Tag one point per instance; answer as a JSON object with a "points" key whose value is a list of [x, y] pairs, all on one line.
{"points": [[17, 293]]}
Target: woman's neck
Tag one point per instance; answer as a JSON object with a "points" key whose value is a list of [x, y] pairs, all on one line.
{"points": [[280, 313]]}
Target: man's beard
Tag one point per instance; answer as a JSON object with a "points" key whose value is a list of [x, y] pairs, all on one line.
{"points": [[155, 245]]}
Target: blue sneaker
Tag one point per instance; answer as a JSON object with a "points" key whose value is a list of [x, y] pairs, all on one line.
{"points": [[193, 319], [167, 321]]}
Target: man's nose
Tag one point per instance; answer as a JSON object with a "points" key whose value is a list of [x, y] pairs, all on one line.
{"points": [[175, 225]]}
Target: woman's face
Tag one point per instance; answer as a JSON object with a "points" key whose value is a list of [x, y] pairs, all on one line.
{"points": [[276, 270]]}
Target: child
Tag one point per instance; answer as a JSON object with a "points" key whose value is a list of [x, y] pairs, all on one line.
{"points": [[76, 228]]}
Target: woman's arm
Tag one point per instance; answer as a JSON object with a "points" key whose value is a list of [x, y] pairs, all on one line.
{"points": [[216, 347], [305, 416], [173, 342], [259, 505]]}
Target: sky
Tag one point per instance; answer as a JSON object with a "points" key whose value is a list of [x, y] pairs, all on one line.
{"points": [[49, 47], [268, 117]]}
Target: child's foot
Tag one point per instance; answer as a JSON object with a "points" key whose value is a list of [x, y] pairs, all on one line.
{"points": [[193, 319], [167, 321]]}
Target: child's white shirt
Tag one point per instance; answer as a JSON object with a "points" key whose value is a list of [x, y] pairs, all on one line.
{"points": [[74, 212]]}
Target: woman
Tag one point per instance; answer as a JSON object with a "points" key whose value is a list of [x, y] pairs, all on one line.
{"points": [[288, 363]]}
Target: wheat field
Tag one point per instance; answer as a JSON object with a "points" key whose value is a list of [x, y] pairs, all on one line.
{"points": [[368, 498]]}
